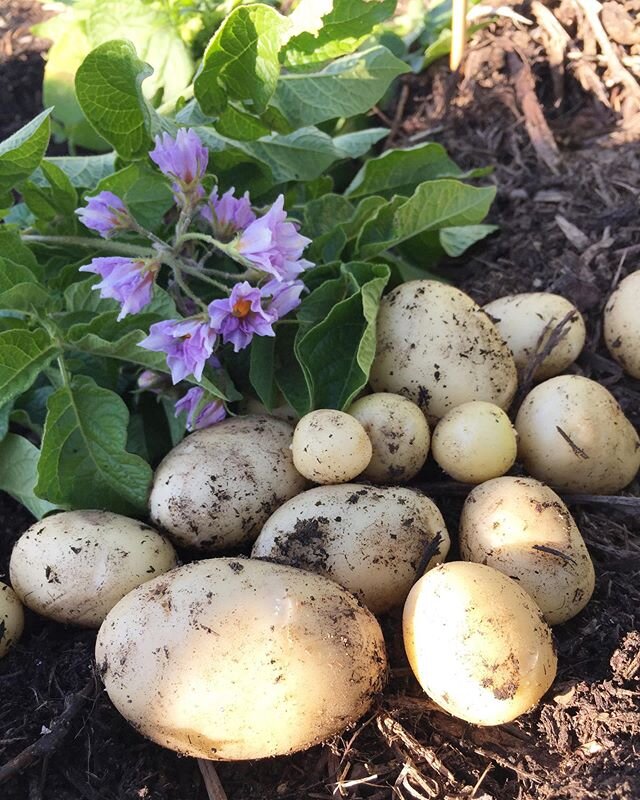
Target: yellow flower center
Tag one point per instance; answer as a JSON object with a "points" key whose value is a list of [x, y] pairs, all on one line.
{"points": [[241, 308]]}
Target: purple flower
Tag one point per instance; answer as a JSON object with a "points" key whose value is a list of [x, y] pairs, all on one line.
{"points": [[274, 245], [127, 280], [284, 296], [106, 214], [228, 214], [239, 317], [154, 382], [188, 344], [208, 415], [185, 160]]}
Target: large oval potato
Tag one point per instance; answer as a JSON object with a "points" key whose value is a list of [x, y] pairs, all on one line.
{"points": [[11, 619], [526, 322], [74, 566], [217, 487], [370, 539], [439, 348], [240, 659], [621, 326], [574, 435], [522, 528], [477, 643]]}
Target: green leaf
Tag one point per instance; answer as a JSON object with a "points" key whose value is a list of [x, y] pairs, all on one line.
{"points": [[144, 191], [19, 289], [19, 471], [23, 355], [262, 368], [84, 172], [13, 249], [456, 241], [339, 31], [348, 86], [241, 60], [289, 376], [84, 463], [434, 205], [235, 124], [21, 153], [109, 90], [53, 199]]}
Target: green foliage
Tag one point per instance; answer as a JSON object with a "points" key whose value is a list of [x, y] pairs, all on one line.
{"points": [[22, 153]]}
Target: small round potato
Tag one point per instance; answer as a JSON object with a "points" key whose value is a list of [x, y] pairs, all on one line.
{"points": [[475, 442], [399, 435], [239, 659], [439, 348], [526, 321], [11, 619], [74, 566], [215, 489], [477, 643], [522, 528], [574, 435], [622, 324], [330, 447], [370, 539]]}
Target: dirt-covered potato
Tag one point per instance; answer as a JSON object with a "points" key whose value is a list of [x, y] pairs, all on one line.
{"points": [[475, 442], [477, 643], [399, 435], [11, 619], [370, 539], [240, 659], [439, 348], [573, 434], [522, 528], [74, 566], [330, 447], [526, 321], [217, 487], [622, 324]]}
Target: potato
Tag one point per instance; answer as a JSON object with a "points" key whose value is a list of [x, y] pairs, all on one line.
{"points": [[522, 528], [526, 321], [330, 447], [477, 643], [438, 348], [573, 435], [475, 442], [622, 324], [369, 539], [239, 659], [399, 435], [11, 619], [217, 487], [283, 411], [74, 566]]}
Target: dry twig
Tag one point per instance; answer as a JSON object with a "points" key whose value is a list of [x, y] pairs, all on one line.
{"points": [[215, 789]]}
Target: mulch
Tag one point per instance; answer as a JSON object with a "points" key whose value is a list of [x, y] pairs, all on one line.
{"points": [[560, 127]]}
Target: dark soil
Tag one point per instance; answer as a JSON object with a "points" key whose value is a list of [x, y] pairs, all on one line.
{"points": [[569, 224]]}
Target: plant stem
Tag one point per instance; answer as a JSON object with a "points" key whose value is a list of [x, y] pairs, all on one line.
{"points": [[186, 290], [221, 246], [196, 273], [85, 241]]}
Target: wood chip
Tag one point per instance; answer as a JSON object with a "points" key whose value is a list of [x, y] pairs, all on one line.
{"points": [[577, 238]]}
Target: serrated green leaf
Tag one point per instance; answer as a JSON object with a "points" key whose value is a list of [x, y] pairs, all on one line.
{"points": [[83, 462], [23, 355], [21, 153], [18, 473]]}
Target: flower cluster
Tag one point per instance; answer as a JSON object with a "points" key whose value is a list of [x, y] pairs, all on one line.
{"points": [[267, 247]]}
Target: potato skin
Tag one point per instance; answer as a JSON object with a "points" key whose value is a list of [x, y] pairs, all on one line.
{"points": [[218, 486], [439, 348], [399, 434], [370, 539], [11, 619], [574, 436], [526, 321], [621, 326], [522, 528], [230, 659], [74, 566], [477, 643]]}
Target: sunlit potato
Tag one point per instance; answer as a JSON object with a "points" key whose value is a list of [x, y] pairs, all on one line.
{"points": [[621, 324], [11, 619]]}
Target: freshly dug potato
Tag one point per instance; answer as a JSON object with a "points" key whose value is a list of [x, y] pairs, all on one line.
{"points": [[622, 324], [239, 659], [399, 435], [217, 487], [74, 566], [477, 643], [370, 539], [574, 435], [475, 442], [522, 528], [11, 619], [439, 348], [526, 321], [330, 447]]}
